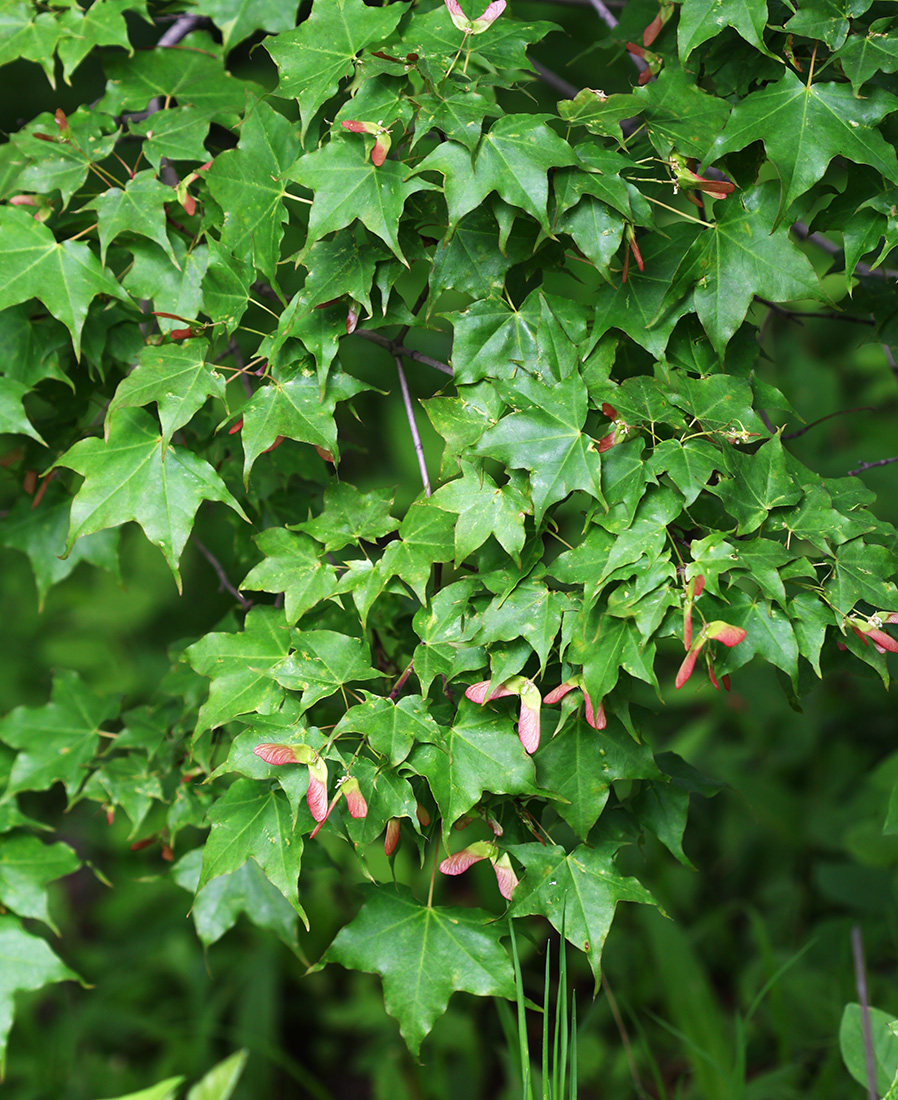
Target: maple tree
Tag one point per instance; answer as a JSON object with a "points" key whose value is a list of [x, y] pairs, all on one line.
{"points": [[189, 260]]}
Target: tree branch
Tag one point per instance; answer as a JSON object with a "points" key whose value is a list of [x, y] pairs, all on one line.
{"points": [[829, 416], [860, 981], [556, 83], [412, 423], [869, 465], [396, 349], [224, 583]]}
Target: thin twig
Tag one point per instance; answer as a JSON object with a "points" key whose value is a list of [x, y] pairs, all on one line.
{"points": [[397, 349], [222, 576], [400, 683], [829, 416], [237, 355], [860, 981], [869, 465], [890, 359], [413, 426], [556, 82], [829, 316], [803, 233]]}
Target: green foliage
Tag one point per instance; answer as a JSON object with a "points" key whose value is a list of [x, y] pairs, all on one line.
{"points": [[616, 457]]}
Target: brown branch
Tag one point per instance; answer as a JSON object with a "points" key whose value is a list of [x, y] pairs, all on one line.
{"points": [[829, 416], [829, 316], [860, 981], [224, 583], [412, 423], [803, 233], [869, 465], [400, 683], [397, 349], [557, 83], [890, 359]]}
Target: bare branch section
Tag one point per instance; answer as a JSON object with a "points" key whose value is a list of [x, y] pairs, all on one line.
{"points": [[413, 425], [224, 583], [869, 465], [398, 349]]}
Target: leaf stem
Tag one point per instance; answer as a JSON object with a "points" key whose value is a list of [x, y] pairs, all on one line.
{"points": [[682, 213]]}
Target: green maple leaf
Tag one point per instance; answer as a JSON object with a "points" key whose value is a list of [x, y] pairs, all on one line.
{"points": [[580, 764], [484, 509], [176, 133], [28, 35], [531, 612], [469, 261], [478, 754], [137, 208], [547, 438], [462, 420], [225, 286], [251, 821], [28, 963], [191, 73], [294, 410], [444, 649], [803, 127], [13, 420], [343, 265], [425, 537], [605, 645], [826, 21], [248, 182], [239, 666], [769, 634], [719, 402], [760, 482], [460, 118], [63, 164], [323, 662], [130, 476], [740, 256], [125, 781], [238, 19], [101, 25], [860, 572], [221, 901], [318, 54], [348, 186], [350, 515], [66, 276], [391, 728], [293, 565], [635, 307], [26, 866], [173, 290], [424, 954], [689, 466], [58, 740], [175, 376], [40, 533], [31, 345], [679, 115], [864, 55], [576, 891], [513, 160], [388, 795], [700, 21]]}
